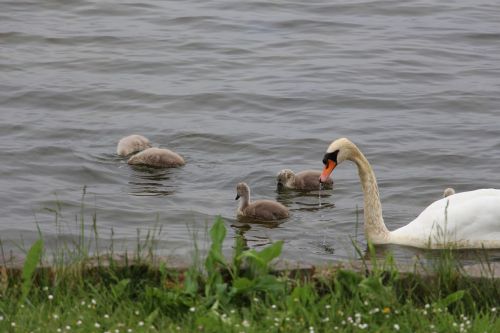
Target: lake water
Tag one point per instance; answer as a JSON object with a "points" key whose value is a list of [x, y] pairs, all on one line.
{"points": [[241, 89]]}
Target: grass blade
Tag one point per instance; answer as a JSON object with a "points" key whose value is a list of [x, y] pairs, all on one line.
{"points": [[32, 259]]}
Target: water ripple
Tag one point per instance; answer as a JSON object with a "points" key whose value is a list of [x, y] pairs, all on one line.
{"points": [[242, 90]]}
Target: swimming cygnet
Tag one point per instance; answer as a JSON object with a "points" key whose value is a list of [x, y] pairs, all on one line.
{"points": [[132, 144], [157, 157], [449, 191], [304, 180], [259, 209]]}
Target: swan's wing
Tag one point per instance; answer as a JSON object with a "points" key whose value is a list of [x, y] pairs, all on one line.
{"points": [[469, 219]]}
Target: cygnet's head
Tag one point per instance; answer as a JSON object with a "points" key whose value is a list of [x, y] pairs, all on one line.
{"points": [[449, 191], [285, 178], [242, 190]]}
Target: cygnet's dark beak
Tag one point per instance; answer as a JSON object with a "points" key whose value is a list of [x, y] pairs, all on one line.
{"points": [[237, 197], [280, 185]]}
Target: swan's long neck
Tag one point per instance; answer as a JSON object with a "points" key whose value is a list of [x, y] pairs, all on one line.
{"points": [[375, 229]]}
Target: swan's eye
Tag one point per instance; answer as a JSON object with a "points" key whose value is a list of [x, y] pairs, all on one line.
{"points": [[330, 156]]}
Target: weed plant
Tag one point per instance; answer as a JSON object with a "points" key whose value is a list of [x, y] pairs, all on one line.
{"points": [[242, 294]]}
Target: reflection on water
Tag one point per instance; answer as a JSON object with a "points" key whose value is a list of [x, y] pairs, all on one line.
{"points": [[242, 228], [326, 246], [243, 95], [304, 200], [246, 222], [319, 193], [311, 207], [148, 181]]}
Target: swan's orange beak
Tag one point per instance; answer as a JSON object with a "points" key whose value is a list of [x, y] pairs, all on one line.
{"points": [[327, 170]]}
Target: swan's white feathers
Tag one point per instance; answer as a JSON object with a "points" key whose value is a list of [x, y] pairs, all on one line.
{"points": [[467, 219]]}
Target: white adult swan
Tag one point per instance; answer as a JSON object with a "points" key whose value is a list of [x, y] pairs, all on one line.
{"points": [[464, 220]]}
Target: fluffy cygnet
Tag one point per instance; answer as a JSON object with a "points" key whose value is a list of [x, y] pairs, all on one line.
{"points": [[304, 180], [132, 144], [260, 209], [157, 157], [449, 191]]}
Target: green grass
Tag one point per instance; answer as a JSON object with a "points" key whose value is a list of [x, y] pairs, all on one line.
{"points": [[241, 294]]}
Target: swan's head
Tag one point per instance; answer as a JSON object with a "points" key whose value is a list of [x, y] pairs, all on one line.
{"points": [[285, 178], [242, 190], [338, 151]]}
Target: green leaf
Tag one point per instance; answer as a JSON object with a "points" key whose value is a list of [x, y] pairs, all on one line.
{"points": [[33, 257], [218, 233], [214, 256], [347, 281], [152, 316], [118, 289], [253, 255], [191, 281], [271, 252], [372, 284], [269, 283], [452, 298], [243, 284], [263, 258], [163, 269]]}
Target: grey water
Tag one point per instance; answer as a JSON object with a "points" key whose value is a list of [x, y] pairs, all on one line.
{"points": [[241, 89]]}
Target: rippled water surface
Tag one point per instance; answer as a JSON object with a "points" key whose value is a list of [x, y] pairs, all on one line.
{"points": [[241, 89]]}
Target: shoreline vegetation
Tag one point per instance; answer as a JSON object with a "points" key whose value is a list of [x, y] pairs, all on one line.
{"points": [[78, 291]]}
